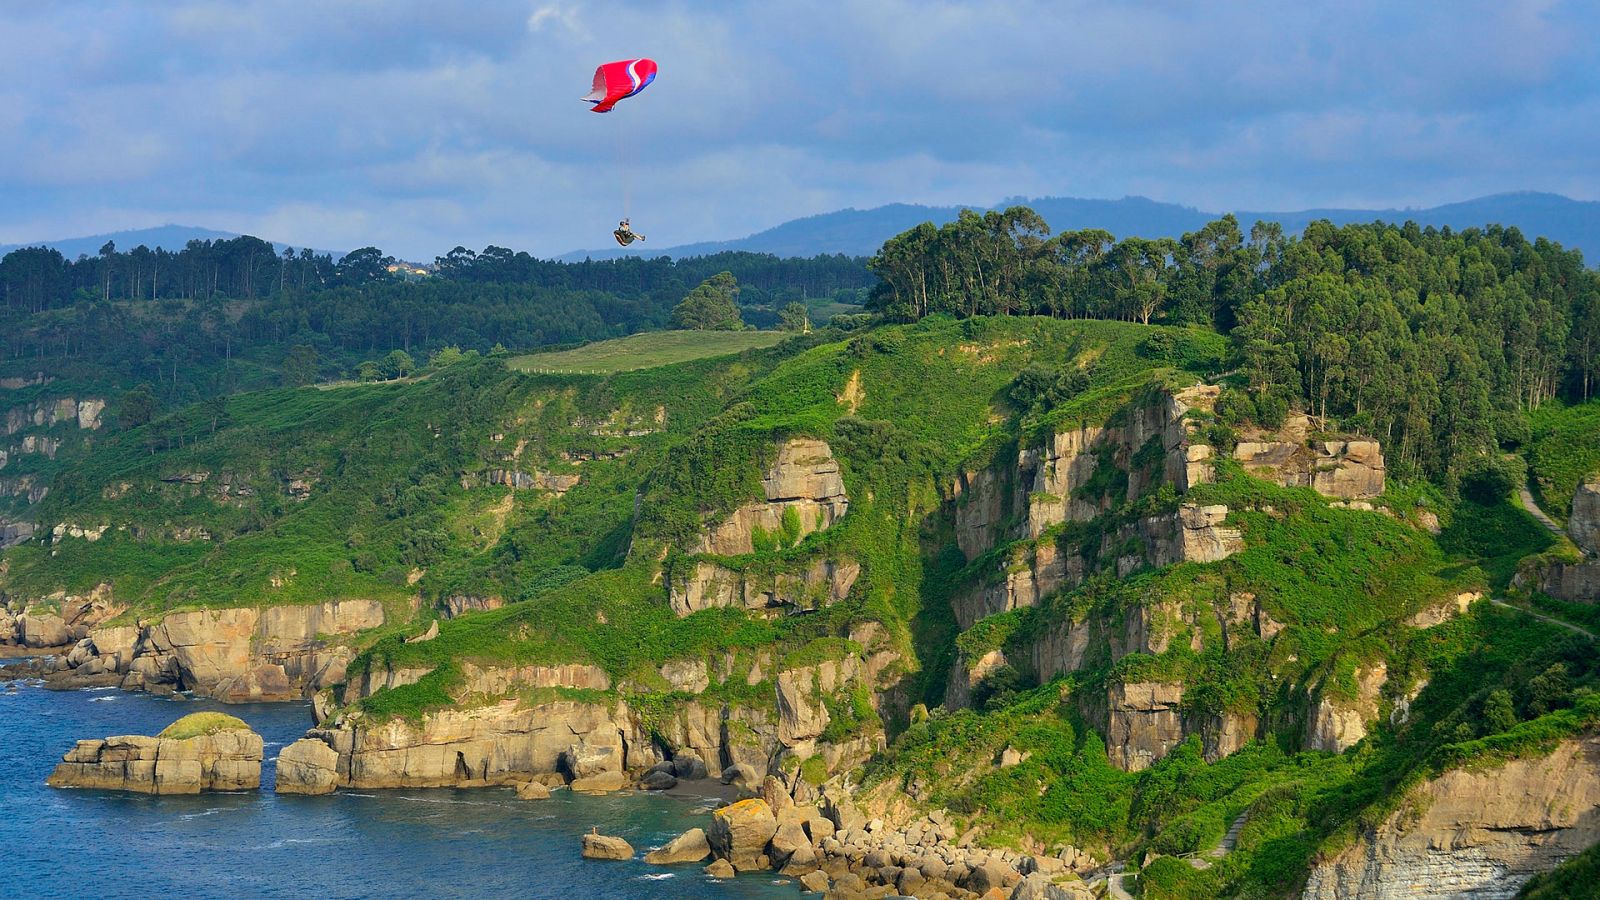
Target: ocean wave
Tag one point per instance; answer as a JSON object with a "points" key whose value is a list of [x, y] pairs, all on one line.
{"points": [[447, 800], [289, 842], [101, 699], [210, 812], [656, 876], [102, 688]]}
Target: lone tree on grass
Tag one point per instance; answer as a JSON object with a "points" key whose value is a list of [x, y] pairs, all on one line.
{"points": [[712, 306]]}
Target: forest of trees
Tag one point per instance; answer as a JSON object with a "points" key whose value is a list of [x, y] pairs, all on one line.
{"points": [[1431, 339], [181, 321]]}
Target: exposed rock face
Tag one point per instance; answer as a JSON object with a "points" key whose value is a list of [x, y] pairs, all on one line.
{"points": [[1030, 572], [801, 713], [378, 676], [1045, 485], [1191, 534], [805, 478], [62, 620], [966, 675], [1348, 469], [14, 533], [41, 629], [705, 585], [557, 484], [307, 766], [244, 654], [457, 604], [532, 790], [739, 834], [1144, 723], [1339, 724], [492, 745], [689, 675], [689, 847], [1584, 523], [225, 761], [1477, 834], [1573, 582], [84, 414]]}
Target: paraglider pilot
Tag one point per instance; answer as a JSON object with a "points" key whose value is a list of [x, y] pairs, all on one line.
{"points": [[625, 234]]}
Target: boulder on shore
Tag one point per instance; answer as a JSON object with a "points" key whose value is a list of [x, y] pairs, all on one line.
{"points": [[532, 790], [720, 868], [689, 847], [739, 834], [307, 766], [605, 846], [604, 782], [199, 752], [658, 781]]}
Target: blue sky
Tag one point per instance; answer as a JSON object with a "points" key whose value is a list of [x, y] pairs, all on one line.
{"points": [[420, 124]]}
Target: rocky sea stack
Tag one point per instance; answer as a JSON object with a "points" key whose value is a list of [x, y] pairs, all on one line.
{"points": [[205, 751]]}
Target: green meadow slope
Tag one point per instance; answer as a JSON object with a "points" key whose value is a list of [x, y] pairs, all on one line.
{"points": [[548, 520]]}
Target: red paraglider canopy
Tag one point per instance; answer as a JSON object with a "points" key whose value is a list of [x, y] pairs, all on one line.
{"points": [[615, 81]]}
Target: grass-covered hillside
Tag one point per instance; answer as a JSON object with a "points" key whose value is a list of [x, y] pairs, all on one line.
{"points": [[546, 517], [644, 351], [904, 409], [377, 491]]}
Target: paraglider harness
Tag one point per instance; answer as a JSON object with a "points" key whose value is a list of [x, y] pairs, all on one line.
{"points": [[625, 234]]}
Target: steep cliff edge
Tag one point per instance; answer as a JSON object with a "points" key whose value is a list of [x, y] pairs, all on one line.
{"points": [[234, 655], [804, 493], [1477, 833]]}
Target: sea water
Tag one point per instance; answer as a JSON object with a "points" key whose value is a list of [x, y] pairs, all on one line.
{"points": [[349, 844]]}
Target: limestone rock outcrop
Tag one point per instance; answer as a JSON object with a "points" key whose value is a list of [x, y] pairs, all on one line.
{"points": [[704, 584], [1478, 832], [739, 834], [589, 744], [689, 847], [1336, 723], [1144, 723], [235, 655], [1584, 523], [804, 479], [83, 414], [1045, 485], [605, 846], [225, 759], [802, 715], [1349, 469], [1031, 571], [307, 766]]}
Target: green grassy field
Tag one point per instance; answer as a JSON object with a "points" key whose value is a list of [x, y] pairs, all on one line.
{"points": [[645, 351]]}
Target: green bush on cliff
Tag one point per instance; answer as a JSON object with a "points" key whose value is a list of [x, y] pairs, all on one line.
{"points": [[1564, 450], [202, 723]]}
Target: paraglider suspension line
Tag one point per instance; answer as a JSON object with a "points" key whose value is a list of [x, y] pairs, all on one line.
{"points": [[626, 154]]}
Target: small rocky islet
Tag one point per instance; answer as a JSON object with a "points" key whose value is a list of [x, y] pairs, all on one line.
{"points": [[200, 752]]}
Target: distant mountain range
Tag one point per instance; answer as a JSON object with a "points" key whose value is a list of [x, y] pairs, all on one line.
{"points": [[860, 232], [1573, 223], [165, 237]]}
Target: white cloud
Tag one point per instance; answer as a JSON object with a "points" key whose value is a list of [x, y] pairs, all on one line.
{"points": [[559, 16]]}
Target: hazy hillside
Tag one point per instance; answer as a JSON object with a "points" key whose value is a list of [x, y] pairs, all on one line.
{"points": [[1574, 223], [164, 237]]}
